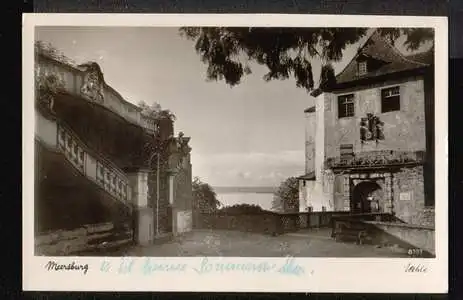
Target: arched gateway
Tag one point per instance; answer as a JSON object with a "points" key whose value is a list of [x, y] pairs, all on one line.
{"points": [[365, 197]]}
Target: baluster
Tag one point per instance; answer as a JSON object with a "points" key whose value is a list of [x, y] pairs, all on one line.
{"points": [[113, 184], [106, 181], [61, 138], [69, 144], [100, 173], [82, 158], [75, 153], [124, 191]]}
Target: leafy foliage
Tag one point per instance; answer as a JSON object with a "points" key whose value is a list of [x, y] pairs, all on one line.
{"points": [[155, 111], [49, 50], [47, 86], [204, 198], [158, 144], [286, 52], [239, 209], [286, 198]]}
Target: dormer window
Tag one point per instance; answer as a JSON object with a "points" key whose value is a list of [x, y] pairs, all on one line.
{"points": [[362, 68]]}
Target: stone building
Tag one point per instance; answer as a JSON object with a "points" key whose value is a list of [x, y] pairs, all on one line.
{"points": [[370, 137], [100, 159]]}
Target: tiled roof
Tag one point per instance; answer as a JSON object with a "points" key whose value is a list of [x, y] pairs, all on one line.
{"points": [[389, 58], [308, 176], [423, 57]]}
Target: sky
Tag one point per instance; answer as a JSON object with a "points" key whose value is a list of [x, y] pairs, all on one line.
{"points": [[248, 135]]}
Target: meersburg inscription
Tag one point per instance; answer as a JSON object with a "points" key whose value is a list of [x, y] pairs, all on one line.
{"points": [[73, 266]]}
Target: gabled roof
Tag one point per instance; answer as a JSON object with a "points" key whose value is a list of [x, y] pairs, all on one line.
{"points": [[389, 58], [426, 57]]}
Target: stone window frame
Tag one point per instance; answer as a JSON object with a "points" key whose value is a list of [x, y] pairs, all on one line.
{"points": [[346, 105], [390, 99]]}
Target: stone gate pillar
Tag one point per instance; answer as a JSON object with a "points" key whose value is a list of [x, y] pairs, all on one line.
{"points": [[143, 218], [172, 201]]}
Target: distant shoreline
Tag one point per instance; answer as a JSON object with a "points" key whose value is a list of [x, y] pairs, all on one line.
{"points": [[255, 190]]}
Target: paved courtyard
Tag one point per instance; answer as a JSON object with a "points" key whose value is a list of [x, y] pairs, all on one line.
{"points": [[314, 243]]}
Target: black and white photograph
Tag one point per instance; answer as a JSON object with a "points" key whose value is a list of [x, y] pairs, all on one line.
{"points": [[235, 141]]}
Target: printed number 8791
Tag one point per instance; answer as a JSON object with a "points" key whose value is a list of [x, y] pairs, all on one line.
{"points": [[415, 252]]}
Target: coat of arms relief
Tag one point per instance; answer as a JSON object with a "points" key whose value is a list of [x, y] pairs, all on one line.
{"points": [[93, 83], [371, 129]]}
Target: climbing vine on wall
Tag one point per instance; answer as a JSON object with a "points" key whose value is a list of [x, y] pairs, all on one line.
{"points": [[47, 87]]}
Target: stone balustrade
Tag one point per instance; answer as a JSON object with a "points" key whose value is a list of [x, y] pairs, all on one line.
{"points": [[105, 174], [54, 134]]}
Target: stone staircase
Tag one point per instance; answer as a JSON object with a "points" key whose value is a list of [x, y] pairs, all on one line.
{"points": [[76, 185]]}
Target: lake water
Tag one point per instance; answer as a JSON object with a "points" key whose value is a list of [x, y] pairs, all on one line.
{"points": [[264, 200]]}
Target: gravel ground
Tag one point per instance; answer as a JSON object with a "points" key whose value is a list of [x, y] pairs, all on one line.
{"points": [[314, 243]]}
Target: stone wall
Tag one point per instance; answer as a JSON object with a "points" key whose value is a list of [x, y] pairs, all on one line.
{"points": [[341, 192], [87, 239], [426, 217], [310, 130], [413, 237], [265, 222], [408, 191], [404, 130]]}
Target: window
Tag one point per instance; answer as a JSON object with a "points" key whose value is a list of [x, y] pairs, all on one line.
{"points": [[346, 106], [362, 68], [390, 99], [346, 152]]}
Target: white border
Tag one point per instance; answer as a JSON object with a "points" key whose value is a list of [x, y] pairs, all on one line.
{"points": [[379, 275]]}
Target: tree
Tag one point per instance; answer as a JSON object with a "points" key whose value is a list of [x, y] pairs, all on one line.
{"points": [[286, 52], [286, 198], [204, 198], [239, 209]]}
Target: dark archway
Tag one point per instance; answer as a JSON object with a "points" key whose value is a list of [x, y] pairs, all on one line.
{"points": [[359, 202]]}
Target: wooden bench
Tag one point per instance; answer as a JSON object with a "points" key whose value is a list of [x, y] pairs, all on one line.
{"points": [[350, 230]]}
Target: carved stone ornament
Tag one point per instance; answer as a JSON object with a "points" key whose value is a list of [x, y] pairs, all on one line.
{"points": [[93, 84], [371, 129]]}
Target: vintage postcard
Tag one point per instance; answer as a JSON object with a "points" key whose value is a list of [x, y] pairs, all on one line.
{"points": [[246, 153]]}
